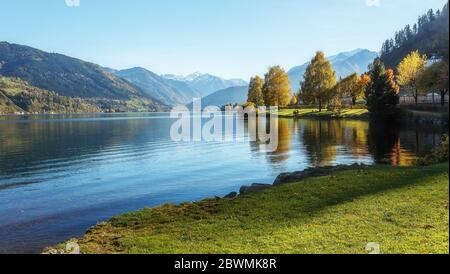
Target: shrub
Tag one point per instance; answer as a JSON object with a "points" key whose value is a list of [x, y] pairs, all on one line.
{"points": [[359, 107], [438, 155]]}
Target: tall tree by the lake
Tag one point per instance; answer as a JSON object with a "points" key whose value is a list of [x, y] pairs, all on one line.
{"points": [[277, 87], [409, 69], [255, 91], [320, 78]]}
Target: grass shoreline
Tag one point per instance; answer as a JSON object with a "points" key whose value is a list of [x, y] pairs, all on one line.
{"points": [[356, 114], [405, 210]]}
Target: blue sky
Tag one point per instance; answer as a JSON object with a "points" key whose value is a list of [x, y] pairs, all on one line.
{"points": [[229, 38]]}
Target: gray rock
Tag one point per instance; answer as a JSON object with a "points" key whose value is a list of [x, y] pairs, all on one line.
{"points": [[253, 188], [231, 195], [285, 178]]}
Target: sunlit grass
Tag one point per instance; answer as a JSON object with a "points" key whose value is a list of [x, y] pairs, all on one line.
{"points": [[311, 112], [405, 210]]}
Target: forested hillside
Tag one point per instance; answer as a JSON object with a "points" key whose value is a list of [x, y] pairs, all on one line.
{"points": [[17, 96], [73, 78], [429, 35]]}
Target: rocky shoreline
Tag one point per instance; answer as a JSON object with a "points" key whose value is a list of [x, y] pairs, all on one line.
{"points": [[293, 177], [236, 220], [284, 178]]}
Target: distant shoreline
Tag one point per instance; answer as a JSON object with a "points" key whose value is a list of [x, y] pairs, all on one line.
{"points": [[78, 113], [355, 114]]}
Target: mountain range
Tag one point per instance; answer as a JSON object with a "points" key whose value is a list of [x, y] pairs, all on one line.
{"points": [[170, 93], [176, 90], [206, 84], [231, 95], [135, 89], [99, 88], [71, 77], [344, 64]]}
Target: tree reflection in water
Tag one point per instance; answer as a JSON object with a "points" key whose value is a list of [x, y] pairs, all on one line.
{"points": [[330, 142]]}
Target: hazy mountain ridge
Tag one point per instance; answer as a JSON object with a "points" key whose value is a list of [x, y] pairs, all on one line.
{"points": [[344, 64], [188, 91], [176, 90], [205, 84], [231, 95], [155, 86]]}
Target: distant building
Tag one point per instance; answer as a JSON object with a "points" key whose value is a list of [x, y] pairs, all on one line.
{"points": [[434, 59]]}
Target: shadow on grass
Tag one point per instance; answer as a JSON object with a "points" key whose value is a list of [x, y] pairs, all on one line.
{"points": [[308, 196], [220, 224]]}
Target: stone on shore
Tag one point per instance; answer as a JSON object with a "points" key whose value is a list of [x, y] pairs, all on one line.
{"points": [[231, 195], [292, 177], [253, 188]]}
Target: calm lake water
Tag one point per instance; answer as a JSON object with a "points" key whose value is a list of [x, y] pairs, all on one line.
{"points": [[61, 174]]}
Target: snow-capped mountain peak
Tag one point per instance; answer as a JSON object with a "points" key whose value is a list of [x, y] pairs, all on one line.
{"points": [[206, 84], [194, 76]]}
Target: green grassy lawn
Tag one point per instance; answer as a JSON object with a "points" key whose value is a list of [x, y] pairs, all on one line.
{"points": [[405, 210], [314, 113]]}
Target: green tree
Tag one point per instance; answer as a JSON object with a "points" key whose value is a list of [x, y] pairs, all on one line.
{"points": [[409, 69], [255, 91], [435, 77], [320, 78], [277, 88], [382, 90]]}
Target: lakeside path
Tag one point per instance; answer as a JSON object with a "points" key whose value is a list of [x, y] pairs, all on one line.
{"points": [[404, 209], [361, 114]]}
